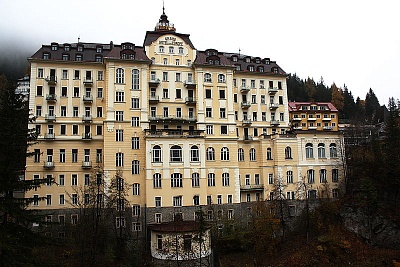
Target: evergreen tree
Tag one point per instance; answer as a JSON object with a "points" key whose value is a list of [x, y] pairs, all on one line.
{"points": [[348, 105], [373, 111], [17, 241], [337, 99], [310, 89], [295, 86], [322, 94]]}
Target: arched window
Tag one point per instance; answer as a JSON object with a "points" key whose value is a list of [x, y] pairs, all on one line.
{"points": [[289, 177], [135, 79], [333, 150], [210, 153], [180, 50], [322, 176], [269, 153], [194, 154], [157, 154], [119, 76], [224, 153], [225, 179], [221, 78], [310, 176], [195, 179], [161, 49], [175, 154], [207, 77], [171, 49], [321, 150], [157, 180], [288, 152], [240, 154], [252, 154], [309, 151], [176, 180], [211, 179]]}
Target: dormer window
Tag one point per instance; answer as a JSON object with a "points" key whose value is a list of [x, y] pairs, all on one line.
{"points": [[67, 48], [123, 56], [237, 67], [266, 61], [208, 53], [234, 59], [131, 56], [251, 68], [54, 47], [99, 50], [78, 57], [275, 70], [261, 69], [80, 48], [210, 61], [322, 108], [99, 58], [216, 62], [65, 57], [247, 60], [46, 55], [257, 60]]}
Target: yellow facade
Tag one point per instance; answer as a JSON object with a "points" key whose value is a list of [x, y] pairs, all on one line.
{"points": [[183, 127]]}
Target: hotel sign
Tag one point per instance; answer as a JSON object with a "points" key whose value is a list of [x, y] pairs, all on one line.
{"points": [[170, 41]]}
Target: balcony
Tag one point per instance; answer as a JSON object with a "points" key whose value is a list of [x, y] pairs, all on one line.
{"points": [[272, 90], [274, 122], [172, 119], [296, 119], [48, 165], [50, 118], [273, 106], [244, 89], [51, 97], [248, 138], [311, 119], [88, 81], [190, 100], [87, 136], [189, 84], [154, 82], [173, 133], [326, 119], [87, 98], [87, 118], [328, 128], [246, 122], [297, 128], [154, 99], [245, 104], [252, 187], [49, 136], [51, 80], [86, 164], [312, 127]]}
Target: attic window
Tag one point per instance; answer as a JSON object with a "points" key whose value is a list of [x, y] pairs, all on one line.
{"points": [[247, 59], [46, 55], [131, 56], [67, 48], [208, 53], [261, 69], [216, 62], [267, 61], [99, 58], [258, 61], [78, 57], [65, 57], [210, 61], [80, 48], [275, 70], [54, 47], [234, 59], [98, 50], [237, 67], [123, 56], [251, 68], [322, 108]]}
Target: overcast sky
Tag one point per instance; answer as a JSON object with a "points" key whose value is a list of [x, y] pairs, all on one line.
{"points": [[350, 42]]}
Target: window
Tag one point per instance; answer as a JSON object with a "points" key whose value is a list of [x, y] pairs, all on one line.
{"points": [[61, 199], [225, 179], [208, 112], [290, 195], [119, 135], [247, 179], [99, 129], [61, 180], [120, 222], [208, 93], [224, 129], [221, 78], [211, 179], [224, 153], [135, 143], [165, 112], [335, 193], [252, 153], [270, 178], [38, 111], [40, 73], [99, 92], [74, 155], [119, 76], [209, 129], [176, 154], [62, 155], [119, 96], [86, 179], [176, 180], [157, 201], [135, 122], [195, 179], [194, 154], [289, 177], [196, 200], [135, 79], [333, 150], [240, 154], [136, 189], [321, 150], [335, 175], [74, 199], [180, 50], [309, 151], [135, 210], [156, 154], [312, 194], [219, 199], [135, 103], [288, 152], [209, 200], [36, 155], [178, 93], [322, 176], [161, 49], [178, 77], [221, 94], [165, 76], [230, 214], [135, 167], [310, 176], [177, 201], [269, 153], [74, 179], [39, 90], [119, 159], [207, 77], [48, 200], [119, 115], [252, 83], [157, 180], [210, 153]]}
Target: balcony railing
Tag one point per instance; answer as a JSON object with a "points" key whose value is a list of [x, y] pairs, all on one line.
{"points": [[248, 138], [251, 187], [51, 97], [175, 133], [154, 98], [296, 119], [312, 127], [328, 127], [88, 81], [172, 118], [87, 136], [87, 118], [190, 100], [48, 164], [311, 119], [87, 98], [274, 122], [326, 119], [245, 104], [49, 117], [51, 80], [246, 122], [189, 83], [86, 164], [272, 90], [273, 106], [49, 136], [244, 88], [154, 81]]}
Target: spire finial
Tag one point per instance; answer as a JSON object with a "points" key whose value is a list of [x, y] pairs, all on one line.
{"points": [[163, 24], [163, 8]]}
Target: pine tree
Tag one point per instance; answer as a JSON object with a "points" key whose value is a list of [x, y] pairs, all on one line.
{"points": [[372, 108], [337, 98], [17, 241]]}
